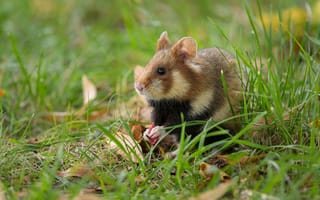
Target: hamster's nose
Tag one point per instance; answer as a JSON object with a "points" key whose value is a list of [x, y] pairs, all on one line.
{"points": [[139, 86]]}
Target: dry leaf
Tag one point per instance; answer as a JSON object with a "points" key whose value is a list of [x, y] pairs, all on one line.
{"points": [[137, 131], [208, 171], [95, 115], [215, 193], [315, 123], [89, 90], [2, 92], [65, 116], [59, 116], [133, 150]]}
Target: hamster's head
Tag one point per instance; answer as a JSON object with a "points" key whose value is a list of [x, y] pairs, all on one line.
{"points": [[165, 76]]}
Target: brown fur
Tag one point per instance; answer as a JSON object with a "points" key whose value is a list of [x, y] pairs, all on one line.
{"points": [[198, 75]]}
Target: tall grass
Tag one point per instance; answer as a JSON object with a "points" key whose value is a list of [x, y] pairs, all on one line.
{"points": [[46, 53]]}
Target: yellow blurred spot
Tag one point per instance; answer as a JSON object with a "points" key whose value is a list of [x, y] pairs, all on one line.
{"points": [[2, 92], [51, 8], [316, 13], [43, 8], [293, 19], [315, 123]]}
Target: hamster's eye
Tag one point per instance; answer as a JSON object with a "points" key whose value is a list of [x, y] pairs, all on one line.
{"points": [[161, 70]]}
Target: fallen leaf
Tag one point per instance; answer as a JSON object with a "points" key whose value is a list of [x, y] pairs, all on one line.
{"points": [[59, 116], [95, 115], [89, 90], [125, 146], [137, 131], [65, 116], [215, 193], [2, 92], [208, 171], [315, 123]]}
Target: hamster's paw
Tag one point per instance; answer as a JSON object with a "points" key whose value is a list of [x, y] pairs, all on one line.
{"points": [[153, 134]]}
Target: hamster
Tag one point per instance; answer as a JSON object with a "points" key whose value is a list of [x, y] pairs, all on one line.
{"points": [[181, 80]]}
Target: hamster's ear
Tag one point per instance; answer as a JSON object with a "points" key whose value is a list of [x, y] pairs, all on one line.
{"points": [[163, 41], [184, 49]]}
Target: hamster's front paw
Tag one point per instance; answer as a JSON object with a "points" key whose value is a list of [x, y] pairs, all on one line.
{"points": [[153, 134]]}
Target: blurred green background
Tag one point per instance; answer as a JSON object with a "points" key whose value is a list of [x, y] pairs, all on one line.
{"points": [[62, 40], [105, 39], [48, 45]]}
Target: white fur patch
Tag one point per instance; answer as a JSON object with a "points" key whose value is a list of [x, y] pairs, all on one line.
{"points": [[195, 67], [155, 90], [202, 102], [180, 86]]}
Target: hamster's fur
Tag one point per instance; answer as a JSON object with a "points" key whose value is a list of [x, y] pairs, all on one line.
{"points": [[182, 80]]}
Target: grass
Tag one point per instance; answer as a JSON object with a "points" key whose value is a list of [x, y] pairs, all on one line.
{"points": [[46, 47]]}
